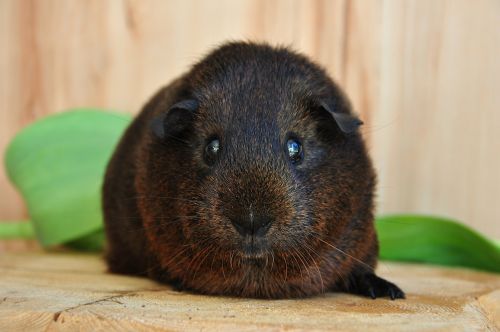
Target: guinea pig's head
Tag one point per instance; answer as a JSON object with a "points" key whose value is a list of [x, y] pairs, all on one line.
{"points": [[253, 174]]}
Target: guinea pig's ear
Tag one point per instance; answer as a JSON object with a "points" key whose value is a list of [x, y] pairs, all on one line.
{"points": [[175, 120], [347, 123]]}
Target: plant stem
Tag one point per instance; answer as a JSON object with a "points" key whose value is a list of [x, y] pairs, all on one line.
{"points": [[22, 229]]}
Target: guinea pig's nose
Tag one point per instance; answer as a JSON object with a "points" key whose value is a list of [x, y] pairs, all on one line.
{"points": [[250, 224]]}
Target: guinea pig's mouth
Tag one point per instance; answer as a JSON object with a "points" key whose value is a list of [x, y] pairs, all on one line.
{"points": [[253, 247]]}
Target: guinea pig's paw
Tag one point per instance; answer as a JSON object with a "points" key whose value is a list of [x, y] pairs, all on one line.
{"points": [[373, 286]]}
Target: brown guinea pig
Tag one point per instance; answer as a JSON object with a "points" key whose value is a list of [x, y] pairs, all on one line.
{"points": [[246, 176]]}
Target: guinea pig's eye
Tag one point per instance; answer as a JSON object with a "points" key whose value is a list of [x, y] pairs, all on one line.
{"points": [[294, 150], [211, 151]]}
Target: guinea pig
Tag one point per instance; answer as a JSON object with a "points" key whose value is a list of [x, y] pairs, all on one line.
{"points": [[247, 176]]}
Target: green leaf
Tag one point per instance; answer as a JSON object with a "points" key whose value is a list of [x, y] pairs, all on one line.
{"points": [[435, 240], [58, 165], [90, 242]]}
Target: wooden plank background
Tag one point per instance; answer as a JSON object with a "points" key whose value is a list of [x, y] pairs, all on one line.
{"points": [[423, 74]]}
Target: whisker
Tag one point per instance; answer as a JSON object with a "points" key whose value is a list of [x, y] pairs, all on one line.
{"points": [[166, 197], [343, 252], [298, 265], [309, 250], [306, 268], [202, 254]]}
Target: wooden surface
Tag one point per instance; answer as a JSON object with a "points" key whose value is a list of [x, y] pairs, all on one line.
{"points": [[71, 292], [423, 74]]}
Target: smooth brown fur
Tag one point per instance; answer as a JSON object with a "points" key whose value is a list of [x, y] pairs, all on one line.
{"points": [[169, 214]]}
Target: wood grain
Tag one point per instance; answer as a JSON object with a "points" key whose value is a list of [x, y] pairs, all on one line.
{"points": [[423, 74], [67, 292], [439, 108]]}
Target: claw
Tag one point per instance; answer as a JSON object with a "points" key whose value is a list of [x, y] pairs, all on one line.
{"points": [[371, 285], [371, 291], [392, 294], [400, 295]]}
